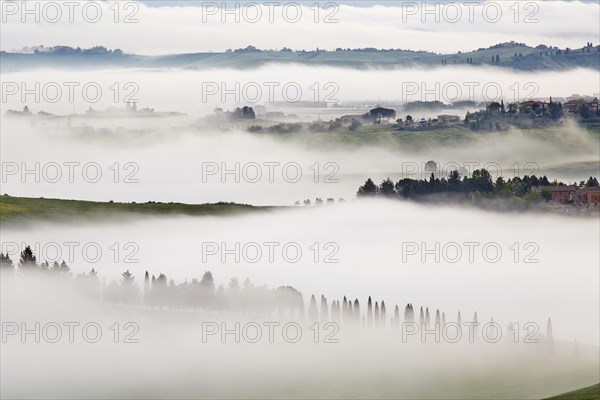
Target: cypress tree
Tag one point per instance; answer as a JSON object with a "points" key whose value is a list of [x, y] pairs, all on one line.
{"points": [[350, 315], [146, 287], [369, 313], [313, 314], [549, 336]]}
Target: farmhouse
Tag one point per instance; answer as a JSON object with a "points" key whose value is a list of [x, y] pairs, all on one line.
{"points": [[559, 193], [573, 104], [448, 119], [584, 195], [587, 195]]}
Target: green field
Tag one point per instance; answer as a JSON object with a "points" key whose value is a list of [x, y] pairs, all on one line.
{"points": [[588, 393], [15, 209], [376, 135], [390, 136]]}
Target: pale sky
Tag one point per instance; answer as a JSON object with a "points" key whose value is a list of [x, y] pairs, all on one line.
{"points": [[190, 26]]}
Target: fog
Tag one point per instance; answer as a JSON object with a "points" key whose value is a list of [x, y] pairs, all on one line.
{"points": [[535, 267], [173, 160], [362, 249], [172, 360], [198, 92], [485, 295]]}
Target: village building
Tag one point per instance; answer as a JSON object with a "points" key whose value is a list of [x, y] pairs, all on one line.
{"points": [[558, 193], [448, 119], [587, 195], [573, 104]]}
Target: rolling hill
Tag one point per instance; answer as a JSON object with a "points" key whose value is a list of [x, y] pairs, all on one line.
{"points": [[511, 55]]}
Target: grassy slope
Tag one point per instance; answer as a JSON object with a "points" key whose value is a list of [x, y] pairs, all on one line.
{"points": [[376, 135], [418, 138], [588, 393], [24, 208]]}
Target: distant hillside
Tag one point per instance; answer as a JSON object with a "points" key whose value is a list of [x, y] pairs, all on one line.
{"points": [[14, 209], [588, 393], [510, 55]]}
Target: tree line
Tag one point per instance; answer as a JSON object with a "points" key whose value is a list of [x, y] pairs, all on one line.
{"points": [[160, 292], [480, 181]]}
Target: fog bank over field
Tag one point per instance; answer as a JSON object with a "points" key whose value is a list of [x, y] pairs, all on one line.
{"points": [[394, 251], [170, 355], [199, 92], [130, 160]]}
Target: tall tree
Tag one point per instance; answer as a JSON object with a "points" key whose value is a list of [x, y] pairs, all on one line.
{"points": [[356, 312], [324, 309], [409, 313], [313, 314], [369, 312], [369, 189], [28, 259], [549, 334], [5, 261], [146, 286], [387, 188], [208, 282]]}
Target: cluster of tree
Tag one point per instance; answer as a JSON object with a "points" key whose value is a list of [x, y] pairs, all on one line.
{"points": [[325, 126], [247, 49], [375, 50], [254, 49], [319, 201], [505, 45], [496, 115], [425, 105], [26, 111], [480, 181], [244, 113], [161, 292], [283, 127], [67, 50], [285, 301], [379, 113], [28, 262]]}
